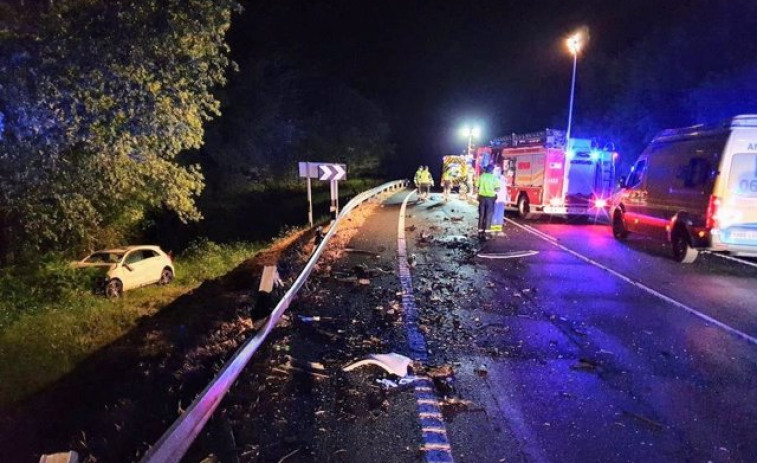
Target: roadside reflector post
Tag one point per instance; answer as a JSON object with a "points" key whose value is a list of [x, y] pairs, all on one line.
{"points": [[269, 281], [310, 204], [335, 197]]}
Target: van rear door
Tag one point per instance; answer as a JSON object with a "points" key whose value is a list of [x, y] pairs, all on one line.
{"points": [[737, 215]]}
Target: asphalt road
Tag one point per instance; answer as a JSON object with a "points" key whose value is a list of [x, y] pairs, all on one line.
{"points": [[550, 343], [583, 365], [562, 346]]}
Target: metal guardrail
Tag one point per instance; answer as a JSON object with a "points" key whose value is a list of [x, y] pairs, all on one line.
{"points": [[175, 442]]}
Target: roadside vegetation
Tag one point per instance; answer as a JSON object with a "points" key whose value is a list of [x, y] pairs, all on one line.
{"points": [[50, 319], [178, 140]]}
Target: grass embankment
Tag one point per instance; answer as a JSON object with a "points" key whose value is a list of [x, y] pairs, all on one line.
{"points": [[50, 320]]}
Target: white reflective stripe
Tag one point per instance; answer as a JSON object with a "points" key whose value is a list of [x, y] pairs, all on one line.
{"points": [[174, 443], [735, 259]]}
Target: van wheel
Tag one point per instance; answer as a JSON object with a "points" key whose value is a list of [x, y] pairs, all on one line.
{"points": [[682, 250], [619, 230], [524, 207]]}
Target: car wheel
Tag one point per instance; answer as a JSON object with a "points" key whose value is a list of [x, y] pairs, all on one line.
{"points": [[619, 230], [524, 207], [166, 276], [682, 250], [114, 289]]}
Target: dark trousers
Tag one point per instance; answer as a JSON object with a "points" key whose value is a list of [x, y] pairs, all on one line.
{"points": [[485, 211]]}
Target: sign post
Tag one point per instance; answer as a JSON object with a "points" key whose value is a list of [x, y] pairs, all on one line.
{"points": [[310, 204], [326, 172]]}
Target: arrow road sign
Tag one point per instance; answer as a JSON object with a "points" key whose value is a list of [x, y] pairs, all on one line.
{"points": [[332, 171]]}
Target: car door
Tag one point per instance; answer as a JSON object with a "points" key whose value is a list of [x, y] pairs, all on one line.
{"points": [[153, 266], [136, 269]]}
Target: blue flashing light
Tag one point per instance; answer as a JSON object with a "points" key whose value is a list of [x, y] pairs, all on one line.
{"points": [[570, 153], [594, 155]]}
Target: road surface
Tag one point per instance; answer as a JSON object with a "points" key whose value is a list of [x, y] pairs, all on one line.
{"points": [[552, 343]]}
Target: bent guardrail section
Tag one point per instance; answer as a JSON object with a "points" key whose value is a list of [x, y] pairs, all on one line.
{"points": [[175, 442]]}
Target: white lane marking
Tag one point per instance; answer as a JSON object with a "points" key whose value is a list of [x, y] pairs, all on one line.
{"points": [[736, 259], [436, 447], [642, 286]]}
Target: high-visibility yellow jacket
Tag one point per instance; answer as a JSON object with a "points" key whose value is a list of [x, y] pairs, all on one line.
{"points": [[418, 175], [487, 184], [426, 178]]}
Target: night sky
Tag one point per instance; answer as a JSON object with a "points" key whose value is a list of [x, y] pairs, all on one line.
{"points": [[433, 66]]}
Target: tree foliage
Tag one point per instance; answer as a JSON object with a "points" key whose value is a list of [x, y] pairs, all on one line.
{"points": [[97, 100]]}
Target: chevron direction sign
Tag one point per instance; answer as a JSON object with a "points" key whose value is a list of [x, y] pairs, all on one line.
{"points": [[322, 170], [332, 171]]}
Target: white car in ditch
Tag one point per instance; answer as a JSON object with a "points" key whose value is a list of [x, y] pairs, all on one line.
{"points": [[130, 267]]}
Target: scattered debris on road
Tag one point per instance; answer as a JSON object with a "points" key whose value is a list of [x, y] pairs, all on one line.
{"points": [[395, 364]]}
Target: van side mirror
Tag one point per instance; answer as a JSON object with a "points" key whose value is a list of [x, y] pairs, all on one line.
{"points": [[128, 267]]}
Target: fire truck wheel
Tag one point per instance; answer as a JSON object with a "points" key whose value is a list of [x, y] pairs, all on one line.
{"points": [[524, 207]]}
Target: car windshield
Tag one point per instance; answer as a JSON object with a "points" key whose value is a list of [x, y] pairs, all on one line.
{"points": [[103, 257]]}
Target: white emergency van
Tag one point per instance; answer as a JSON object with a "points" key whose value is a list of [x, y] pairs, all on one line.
{"points": [[695, 187]]}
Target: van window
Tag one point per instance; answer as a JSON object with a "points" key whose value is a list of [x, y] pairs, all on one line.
{"points": [[637, 173], [696, 173], [742, 180]]}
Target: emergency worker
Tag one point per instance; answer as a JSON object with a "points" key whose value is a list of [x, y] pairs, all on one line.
{"points": [[417, 178], [426, 182], [447, 183], [488, 185]]}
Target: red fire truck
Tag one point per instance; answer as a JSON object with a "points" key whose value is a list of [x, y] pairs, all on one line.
{"points": [[542, 175]]}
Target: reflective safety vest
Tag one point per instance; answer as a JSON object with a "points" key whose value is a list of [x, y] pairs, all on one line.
{"points": [[488, 184], [426, 177]]}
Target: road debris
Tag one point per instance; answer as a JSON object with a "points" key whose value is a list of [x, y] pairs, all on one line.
{"points": [[506, 255], [453, 241], [656, 425], [314, 369], [362, 251], [289, 455], [387, 383], [393, 363], [585, 365], [443, 371]]}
